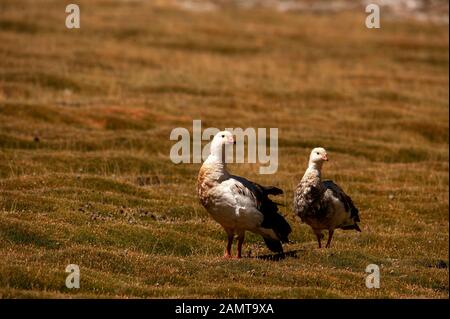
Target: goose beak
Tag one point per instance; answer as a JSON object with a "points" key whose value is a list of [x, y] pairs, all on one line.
{"points": [[231, 140], [325, 157]]}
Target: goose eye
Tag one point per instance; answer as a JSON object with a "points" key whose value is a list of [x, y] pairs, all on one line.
{"points": [[224, 136], [317, 153]]}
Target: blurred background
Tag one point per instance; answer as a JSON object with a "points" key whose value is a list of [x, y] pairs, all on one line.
{"points": [[85, 119], [425, 10]]}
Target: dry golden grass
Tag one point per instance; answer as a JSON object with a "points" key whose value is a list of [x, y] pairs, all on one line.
{"points": [[100, 191]]}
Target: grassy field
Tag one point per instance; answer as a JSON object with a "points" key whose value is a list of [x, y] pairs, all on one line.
{"points": [[85, 174]]}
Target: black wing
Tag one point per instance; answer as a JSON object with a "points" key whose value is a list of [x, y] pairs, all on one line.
{"points": [[272, 218], [344, 198]]}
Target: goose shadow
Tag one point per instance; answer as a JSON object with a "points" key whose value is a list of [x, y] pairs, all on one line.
{"points": [[279, 256]]}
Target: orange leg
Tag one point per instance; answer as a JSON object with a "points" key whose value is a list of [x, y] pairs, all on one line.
{"points": [[330, 236], [239, 245], [229, 243]]}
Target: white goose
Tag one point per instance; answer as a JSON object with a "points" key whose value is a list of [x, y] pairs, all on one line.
{"points": [[237, 203], [323, 205]]}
